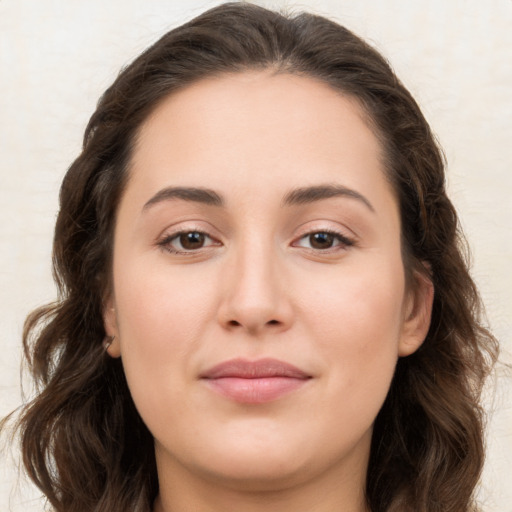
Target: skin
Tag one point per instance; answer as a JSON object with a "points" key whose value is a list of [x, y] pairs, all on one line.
{"points": [[261, 287]]}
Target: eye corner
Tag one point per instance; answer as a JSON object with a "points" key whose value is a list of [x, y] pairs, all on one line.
{"points": [[203, 241], [324, 240]]}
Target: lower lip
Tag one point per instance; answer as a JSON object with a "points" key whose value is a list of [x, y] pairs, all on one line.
{"points": [[255, 391]]}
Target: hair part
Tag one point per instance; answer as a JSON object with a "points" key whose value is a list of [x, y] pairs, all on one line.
{"points": [[83, 442]]}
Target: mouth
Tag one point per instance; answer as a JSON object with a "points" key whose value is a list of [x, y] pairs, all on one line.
{"points": [[254, 382]]}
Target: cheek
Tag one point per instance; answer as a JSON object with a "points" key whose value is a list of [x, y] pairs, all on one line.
{"points": [[356, 319], [161, 314], [161, 302], [357, 302]]}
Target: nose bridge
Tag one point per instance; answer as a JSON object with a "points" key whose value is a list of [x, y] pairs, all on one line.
{"points": [[255, 296], [255, 267]]}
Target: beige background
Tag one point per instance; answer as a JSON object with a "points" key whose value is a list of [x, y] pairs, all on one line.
{"points": [[57, 56]]}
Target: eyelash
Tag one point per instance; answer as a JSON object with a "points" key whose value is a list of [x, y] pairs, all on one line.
{"points": [[344, 241], [165, 243]]}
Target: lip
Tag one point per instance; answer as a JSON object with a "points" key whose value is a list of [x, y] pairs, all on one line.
{"points": [[254, 382]]}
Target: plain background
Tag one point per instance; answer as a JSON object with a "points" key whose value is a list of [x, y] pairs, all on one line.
{"points": [[58, 56]]}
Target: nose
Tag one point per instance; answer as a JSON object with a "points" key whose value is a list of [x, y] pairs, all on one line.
{"points": [[255, 299]]}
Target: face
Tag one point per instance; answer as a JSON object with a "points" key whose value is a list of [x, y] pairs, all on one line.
{"points": [[259, 301]]}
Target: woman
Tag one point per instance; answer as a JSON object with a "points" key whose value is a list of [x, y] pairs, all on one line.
{"points": [[263, 300]]}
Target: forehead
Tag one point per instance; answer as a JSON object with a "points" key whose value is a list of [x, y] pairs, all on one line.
{"points": [[257, 129], [255, 97]]}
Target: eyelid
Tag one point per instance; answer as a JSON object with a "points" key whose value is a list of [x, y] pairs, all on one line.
{"points": [[335, 234], [171, 234], [345, 241]]}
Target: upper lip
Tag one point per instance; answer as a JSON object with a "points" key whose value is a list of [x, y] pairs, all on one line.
{"points": [[259, 369]]}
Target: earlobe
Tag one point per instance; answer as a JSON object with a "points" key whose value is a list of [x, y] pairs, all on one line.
{"points": [[418, 313], [111, 345], [111, 342]]}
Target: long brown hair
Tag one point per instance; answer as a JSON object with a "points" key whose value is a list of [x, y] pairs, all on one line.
{"points": [[83, 442]]}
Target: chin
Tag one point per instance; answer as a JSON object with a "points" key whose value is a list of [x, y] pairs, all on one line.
{"points": [[275, 461], [267, 461], [259, 473]]}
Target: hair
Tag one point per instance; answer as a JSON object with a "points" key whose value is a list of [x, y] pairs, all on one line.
{"points": [[83, 442]]}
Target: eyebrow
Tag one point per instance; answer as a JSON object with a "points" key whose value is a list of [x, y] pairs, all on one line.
{"points": [[308, 195], [193, 194], [304, 195]]}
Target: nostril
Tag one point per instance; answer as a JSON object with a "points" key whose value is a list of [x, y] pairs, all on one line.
{"points": [[235, 323]]}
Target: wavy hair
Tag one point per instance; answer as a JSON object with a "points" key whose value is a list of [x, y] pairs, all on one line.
{"points": [[83, 442]]}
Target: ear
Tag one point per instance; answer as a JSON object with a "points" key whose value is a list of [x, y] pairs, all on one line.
{"points": [[417, 314], [110, 324]]}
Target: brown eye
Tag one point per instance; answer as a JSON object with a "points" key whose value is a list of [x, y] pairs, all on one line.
{"points": [[192, 240], [324, 240], [321, 240], [187, 242]]}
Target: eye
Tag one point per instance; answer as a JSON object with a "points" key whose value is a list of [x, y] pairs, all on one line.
{"points": [[186, 241], [323, 240]]}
